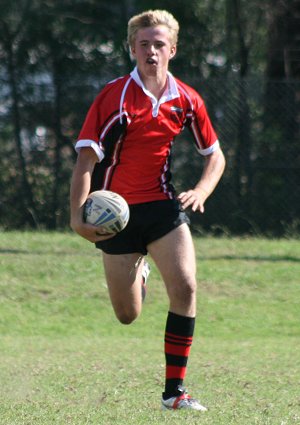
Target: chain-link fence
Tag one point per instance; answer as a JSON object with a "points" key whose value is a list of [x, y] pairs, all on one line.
{"points": [[258, 126]]}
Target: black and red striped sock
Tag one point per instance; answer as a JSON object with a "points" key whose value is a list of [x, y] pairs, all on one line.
{"points": [[178, 341]]}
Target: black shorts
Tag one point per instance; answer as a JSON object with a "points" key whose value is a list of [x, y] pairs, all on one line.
{"points": [[148, 222]]}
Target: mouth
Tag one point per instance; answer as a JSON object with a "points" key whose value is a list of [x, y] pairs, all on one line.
{"points": [[151, 61]]}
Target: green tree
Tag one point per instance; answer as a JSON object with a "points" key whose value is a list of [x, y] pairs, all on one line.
{"points": [[14, 20], [56, 56]]}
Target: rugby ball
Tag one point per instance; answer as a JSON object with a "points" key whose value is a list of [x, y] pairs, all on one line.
{"points": [[107, 210]]}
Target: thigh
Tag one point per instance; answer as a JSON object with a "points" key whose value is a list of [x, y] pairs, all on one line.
{"points": [[124, 276], [174, 256]]}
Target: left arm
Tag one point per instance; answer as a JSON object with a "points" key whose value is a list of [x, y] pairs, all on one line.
{"points": [[212, 173]]}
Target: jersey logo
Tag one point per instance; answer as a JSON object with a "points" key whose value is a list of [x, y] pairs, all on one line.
{"points": [[176, 114], [177, 109]]}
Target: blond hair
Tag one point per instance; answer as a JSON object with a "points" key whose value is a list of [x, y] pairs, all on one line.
{"points": [[152, 18]]}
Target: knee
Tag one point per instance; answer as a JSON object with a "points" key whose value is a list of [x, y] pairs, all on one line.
{"points": [[189, 291], [185, 291], [126, 318]]}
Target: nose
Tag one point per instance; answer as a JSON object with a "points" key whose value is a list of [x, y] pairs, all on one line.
{"points": [[151, 49]]}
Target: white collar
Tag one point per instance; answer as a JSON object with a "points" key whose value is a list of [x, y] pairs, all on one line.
{"points": [[170, 93]]}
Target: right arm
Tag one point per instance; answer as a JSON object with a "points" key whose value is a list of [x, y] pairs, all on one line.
{"points": [[80, 188]]}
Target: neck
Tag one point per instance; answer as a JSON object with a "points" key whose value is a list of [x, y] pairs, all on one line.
{"points": [[155, 84], [156, 88]]}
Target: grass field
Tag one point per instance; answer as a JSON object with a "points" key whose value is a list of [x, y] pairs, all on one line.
{"points": [[64, 358]]}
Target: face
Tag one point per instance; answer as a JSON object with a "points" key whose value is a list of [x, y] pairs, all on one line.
{"points": [[153, 50]]}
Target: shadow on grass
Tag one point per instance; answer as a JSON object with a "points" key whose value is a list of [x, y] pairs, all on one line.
{"points": [[14, 251], [33, 252], [263, 258], [269, 258]]}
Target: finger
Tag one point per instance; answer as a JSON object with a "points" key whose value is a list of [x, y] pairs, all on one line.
{"points": [[104, 237], [181, 196], [187, 203], [95, 233], [101, 231], [184, 196], [200, 208], [195, 205]]}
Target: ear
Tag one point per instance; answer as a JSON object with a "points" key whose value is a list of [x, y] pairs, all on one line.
{"points": [[173, 51], [132, 51]]}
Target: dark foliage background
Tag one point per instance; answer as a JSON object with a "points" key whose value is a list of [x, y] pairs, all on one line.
{"points": [[244, 59]]}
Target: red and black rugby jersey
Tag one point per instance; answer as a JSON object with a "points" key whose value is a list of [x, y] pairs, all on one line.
{"points": [[132, 134]]}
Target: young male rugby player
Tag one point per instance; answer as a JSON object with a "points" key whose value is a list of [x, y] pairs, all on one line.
{"points": [[125, 146]]}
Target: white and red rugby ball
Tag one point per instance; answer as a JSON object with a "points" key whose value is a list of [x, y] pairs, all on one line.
{"points": [[107, 210]]}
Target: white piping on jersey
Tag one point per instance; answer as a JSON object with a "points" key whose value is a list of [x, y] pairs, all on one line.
{"points": [[110, 123], [122, 98], [196, 135], [116, 79], [112, 166], [199, 144], [166, 168], [187, 96]]}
